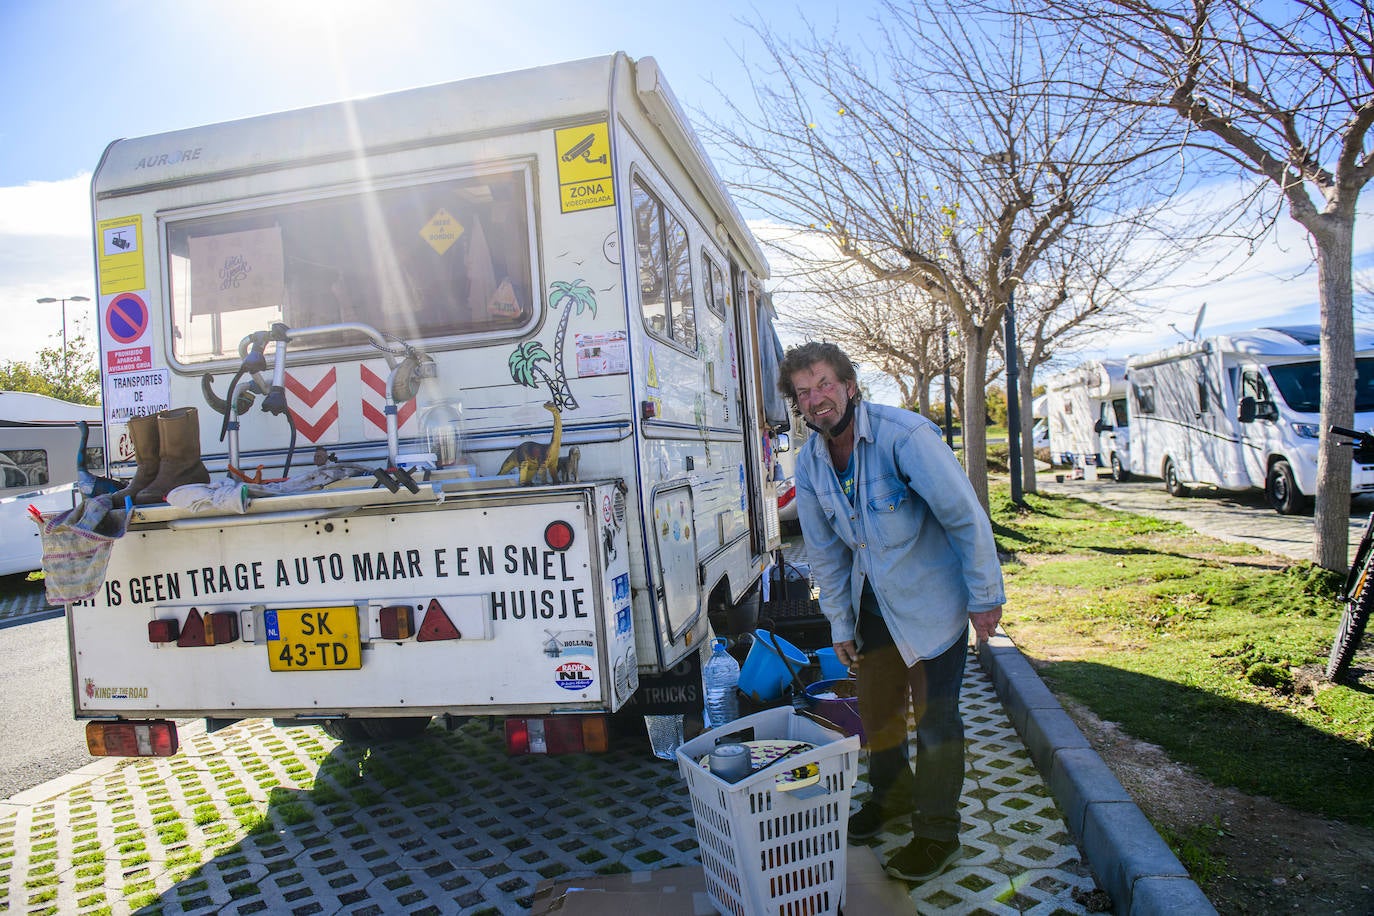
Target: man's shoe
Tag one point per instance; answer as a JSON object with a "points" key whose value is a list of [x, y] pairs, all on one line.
{"points": [[868, 821], [923, 859]]}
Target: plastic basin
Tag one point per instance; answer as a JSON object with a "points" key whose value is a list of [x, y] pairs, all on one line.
{"points": [[764, 676]]}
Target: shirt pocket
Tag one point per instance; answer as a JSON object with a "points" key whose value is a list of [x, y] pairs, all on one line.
{"points": [[892, 510]]}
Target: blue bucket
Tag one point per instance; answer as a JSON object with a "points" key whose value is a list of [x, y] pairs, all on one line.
{"points": [[832, 669], [764, 676]]}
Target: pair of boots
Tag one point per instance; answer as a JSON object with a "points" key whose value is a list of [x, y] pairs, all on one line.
{"points": [[167, 448]]}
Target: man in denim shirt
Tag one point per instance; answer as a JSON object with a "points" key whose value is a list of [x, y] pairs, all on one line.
{"points": [[904, 556]]}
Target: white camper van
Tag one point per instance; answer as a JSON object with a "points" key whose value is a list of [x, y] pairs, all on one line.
{"points": [[1242, 411], [1087, 415], [524, 317], [39, 449]]}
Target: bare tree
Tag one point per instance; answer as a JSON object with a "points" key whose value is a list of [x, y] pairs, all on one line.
{"points": [[951, 162], [1282, 93]]}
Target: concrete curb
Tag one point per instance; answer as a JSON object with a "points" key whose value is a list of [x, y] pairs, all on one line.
{"points": [[1129, 859]]}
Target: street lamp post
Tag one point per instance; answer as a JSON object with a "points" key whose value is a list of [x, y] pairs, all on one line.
{"points": [[48, 300]]}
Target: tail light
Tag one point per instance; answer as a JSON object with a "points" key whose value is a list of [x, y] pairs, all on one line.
{"points": [[557, 735], [156, 738], [786, 494]]}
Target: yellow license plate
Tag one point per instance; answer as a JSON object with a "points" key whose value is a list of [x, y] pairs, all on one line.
{"points": [[313, 639]]}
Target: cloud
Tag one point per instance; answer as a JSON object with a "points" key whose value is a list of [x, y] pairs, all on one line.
{"points": [[45, 250]]}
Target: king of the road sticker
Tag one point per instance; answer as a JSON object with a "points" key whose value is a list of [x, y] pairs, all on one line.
{"points": [[585, 178]]}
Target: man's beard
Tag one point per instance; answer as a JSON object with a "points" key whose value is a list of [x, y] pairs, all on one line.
{"points": [[841, 424]]}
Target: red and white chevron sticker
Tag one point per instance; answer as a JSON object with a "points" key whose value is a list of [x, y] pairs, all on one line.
{"points": [[374, 374], [313, 399]]}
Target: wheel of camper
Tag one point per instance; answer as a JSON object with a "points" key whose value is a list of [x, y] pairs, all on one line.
{"points": [[345, 730], [1282, 490], [1171, 481], [1119, 472], [396, 728]]}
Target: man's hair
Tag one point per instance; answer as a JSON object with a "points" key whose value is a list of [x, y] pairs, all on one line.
{"points": [[806, 355]]}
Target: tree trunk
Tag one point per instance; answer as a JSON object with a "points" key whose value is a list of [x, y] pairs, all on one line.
{"points": [[1334, 241], [977, 341], [1025, 382]]}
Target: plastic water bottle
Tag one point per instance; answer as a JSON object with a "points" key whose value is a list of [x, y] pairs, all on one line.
{"points": [[720, 678]]}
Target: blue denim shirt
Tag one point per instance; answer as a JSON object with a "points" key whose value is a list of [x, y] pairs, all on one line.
{"points": [[916, 532]]}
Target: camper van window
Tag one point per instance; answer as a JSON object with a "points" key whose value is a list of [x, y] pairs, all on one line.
{"points": [[1119, 413], [714, 278], [665, 271], [24, 467], [1144, 397], [1300, 385], [441, 259]]}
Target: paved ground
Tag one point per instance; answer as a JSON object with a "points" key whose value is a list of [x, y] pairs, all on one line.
{"points": [[258, 819], [1241, 517]]}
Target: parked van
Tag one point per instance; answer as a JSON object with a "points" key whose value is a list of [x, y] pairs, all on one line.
{"points": [[39, 445], [1242, 411], [1087, 416]]}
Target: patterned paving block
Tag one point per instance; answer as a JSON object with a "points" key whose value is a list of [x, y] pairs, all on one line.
{"points": [[256, 819]]}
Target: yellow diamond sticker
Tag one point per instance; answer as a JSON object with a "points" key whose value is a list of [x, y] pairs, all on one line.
{"points": [[442, 230]]}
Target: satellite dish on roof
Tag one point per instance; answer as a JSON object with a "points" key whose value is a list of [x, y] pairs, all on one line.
{"points": [[1197, 324]]}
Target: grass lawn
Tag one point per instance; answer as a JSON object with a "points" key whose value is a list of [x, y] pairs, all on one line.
{"points": [[1211, 650]]}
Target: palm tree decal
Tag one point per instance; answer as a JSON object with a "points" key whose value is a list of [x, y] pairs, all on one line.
{"points": [[524, 362], [525, 369]]}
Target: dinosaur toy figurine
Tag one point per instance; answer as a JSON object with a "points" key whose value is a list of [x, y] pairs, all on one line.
{"points": [[535, 459]]}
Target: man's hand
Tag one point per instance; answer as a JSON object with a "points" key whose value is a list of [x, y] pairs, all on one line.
{"points": [[847, 653], [984, 624]]}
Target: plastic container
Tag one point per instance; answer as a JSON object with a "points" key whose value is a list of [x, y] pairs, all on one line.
{"points": [[765, 675], [832, 669], [720, 682], [842, 709], [768, 851]]}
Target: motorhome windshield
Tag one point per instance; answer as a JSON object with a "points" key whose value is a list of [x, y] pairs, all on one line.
{"points": [[1299, 385], [439, 259]]}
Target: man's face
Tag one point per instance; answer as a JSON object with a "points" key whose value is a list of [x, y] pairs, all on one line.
{"points": [[821, 397]]}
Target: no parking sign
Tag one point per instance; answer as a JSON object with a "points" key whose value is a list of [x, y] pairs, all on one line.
{"points": [[125, 322]]}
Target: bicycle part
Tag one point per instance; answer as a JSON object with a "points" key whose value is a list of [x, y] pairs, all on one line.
{"points": [[1351, 631], [1171, 479], [1281, 490]]}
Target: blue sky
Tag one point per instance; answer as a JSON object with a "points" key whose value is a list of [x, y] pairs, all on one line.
{"points": [[81, 74]]}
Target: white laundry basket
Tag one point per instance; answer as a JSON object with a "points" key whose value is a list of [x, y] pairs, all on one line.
{"points": [[767, 852]]}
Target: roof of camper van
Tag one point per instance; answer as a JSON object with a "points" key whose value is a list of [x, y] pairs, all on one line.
{"points": [[1295, 342], [566, 93], [24, 408], [1100, 376]]}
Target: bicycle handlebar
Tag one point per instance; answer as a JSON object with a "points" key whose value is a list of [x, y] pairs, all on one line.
{"points": [[1362, 440]]}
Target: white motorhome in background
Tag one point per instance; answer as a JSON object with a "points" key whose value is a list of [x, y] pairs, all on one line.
{"points": [[39, 444], [1086, 411], [1241, 411]]}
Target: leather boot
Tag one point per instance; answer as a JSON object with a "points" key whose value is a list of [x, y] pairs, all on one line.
{"points": [[143, 434], [179, 462]]}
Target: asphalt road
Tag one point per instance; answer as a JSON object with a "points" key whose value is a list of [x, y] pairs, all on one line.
{"points": [[39, 739], [1242, 517]]}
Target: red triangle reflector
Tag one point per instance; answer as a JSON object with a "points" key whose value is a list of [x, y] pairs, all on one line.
{"points": [[436, 624], [192, 631]]}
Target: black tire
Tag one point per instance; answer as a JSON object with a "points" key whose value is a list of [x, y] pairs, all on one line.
{"points": [[398, 728], [1351, 630], [1119, 472], [368, 730], [349, 731], [1171, 481], [1281, 490]]}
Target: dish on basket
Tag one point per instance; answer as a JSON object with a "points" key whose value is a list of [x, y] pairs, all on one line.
{"points": [[763, 754]]}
